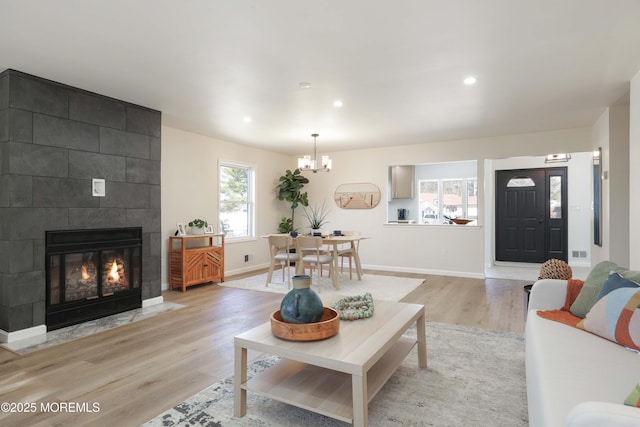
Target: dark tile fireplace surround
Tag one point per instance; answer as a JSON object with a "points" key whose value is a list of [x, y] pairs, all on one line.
{"points": [[54, 139]]}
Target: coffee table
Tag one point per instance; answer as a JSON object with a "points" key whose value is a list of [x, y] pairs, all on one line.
{"points": [[338, 376]]}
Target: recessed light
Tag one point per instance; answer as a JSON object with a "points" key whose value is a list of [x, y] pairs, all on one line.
{"points": [[337, 103], [304, 85], [247, 119], [470, 81]]}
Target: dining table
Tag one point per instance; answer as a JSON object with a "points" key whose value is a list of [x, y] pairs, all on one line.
{"points": [[335, 242]]}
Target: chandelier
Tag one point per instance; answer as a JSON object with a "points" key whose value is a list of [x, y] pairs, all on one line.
{"points": [[306, 163]]}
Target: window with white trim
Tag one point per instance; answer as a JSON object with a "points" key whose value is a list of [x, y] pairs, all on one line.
{"points": [[236, 207], [441, 199]]}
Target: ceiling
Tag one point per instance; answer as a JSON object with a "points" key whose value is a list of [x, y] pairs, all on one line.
{"points": [[398, 66]]}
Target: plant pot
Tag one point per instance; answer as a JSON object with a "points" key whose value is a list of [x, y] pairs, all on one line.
{"points": [[197, 231]]}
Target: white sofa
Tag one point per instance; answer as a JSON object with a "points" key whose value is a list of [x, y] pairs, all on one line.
{"points": [[575, 378]]}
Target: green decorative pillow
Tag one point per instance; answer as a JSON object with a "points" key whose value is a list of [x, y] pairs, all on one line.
{"points": [[631, 275], [591, 288], [634, 397]]}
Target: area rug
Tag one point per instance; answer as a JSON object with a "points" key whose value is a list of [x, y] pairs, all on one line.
{"points": [[474, 377], [388, 288]]}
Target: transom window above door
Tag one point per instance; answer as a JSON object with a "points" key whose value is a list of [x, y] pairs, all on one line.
{"points": [[521, 181]]}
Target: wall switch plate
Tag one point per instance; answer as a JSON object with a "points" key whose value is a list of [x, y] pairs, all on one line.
{"points": [[98, 187]]}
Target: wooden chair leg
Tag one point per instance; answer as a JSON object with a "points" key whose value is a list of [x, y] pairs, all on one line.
{"points": [[319, 268], [270, 273]]}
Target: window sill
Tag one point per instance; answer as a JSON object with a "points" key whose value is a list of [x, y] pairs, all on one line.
{"points": [[230, 240], [413, 224]]}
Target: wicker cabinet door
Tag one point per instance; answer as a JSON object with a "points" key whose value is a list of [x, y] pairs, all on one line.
{"points": [[194, 268], [211, 266]]}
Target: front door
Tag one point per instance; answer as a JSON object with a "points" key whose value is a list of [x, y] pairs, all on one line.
{"points": [[531, 215]]}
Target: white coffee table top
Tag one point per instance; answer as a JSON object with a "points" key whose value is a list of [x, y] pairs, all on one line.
{"points": [[356, 347]]}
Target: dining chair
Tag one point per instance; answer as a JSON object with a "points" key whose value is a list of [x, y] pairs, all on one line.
{"points": [[280, 246], [313, 255], [348, 252]]}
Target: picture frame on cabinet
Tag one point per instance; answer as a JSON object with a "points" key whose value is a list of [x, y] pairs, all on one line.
{"points": [[209, 229], [181, 230]]}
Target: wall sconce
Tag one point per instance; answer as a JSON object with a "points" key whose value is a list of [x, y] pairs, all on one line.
{"points": [[557, 158]]}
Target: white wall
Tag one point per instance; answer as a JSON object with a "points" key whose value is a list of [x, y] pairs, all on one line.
{"points": [[190, 190], [458, 250], [611, 133], [634, 173], [618, 183]]}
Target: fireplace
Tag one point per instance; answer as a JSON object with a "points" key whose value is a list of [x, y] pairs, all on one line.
{"points": [[92, 274]]}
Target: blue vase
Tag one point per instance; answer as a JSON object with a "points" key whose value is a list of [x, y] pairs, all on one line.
{"points": [[301, 304]]}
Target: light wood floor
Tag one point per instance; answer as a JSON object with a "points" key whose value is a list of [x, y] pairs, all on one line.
{"points": [[138, 371]]}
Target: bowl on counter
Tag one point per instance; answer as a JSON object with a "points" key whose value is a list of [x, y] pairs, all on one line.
{"points": [[460, 221]]}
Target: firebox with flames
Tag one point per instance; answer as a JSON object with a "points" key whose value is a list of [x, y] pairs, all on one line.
{"points": [[114, 278], [92, 273], [82, 277]]}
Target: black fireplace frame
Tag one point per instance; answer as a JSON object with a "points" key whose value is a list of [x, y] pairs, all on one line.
{"points": [[62, 242]]}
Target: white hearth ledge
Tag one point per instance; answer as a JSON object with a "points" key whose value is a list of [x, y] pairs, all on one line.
{"points": [[41, 330], [35, 331], [152, 301]]}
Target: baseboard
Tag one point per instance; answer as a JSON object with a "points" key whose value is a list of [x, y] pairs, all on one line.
{"points": [[35, 331], [247, 269], [466, 274]]}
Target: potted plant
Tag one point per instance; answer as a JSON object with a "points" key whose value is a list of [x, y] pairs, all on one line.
{"points": [[198, 226], [290, 190], [317, 217], [286, 225]]}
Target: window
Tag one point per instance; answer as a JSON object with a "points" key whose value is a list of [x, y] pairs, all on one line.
{"points": [[438, 192], [555, 197], [429, 202], [448, 198], [521, 181], [236, 201]]}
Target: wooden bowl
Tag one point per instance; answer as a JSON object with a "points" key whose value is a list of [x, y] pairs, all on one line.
{"points": [[461, 221], [328, 326]]}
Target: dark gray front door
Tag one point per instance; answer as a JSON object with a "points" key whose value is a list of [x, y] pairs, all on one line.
{"points": [[531, 215]]}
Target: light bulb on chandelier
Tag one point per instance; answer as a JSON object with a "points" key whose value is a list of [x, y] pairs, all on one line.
{"points": [[307, 163]]}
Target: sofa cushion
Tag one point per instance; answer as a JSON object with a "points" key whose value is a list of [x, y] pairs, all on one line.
{"points": [[592, 286], [616, 317], [634, 397], [567, 366], [615, 281], [631, 275]]}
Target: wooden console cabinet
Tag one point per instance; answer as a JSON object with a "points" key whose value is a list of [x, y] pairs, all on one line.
{"points": [[195, 259]]}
